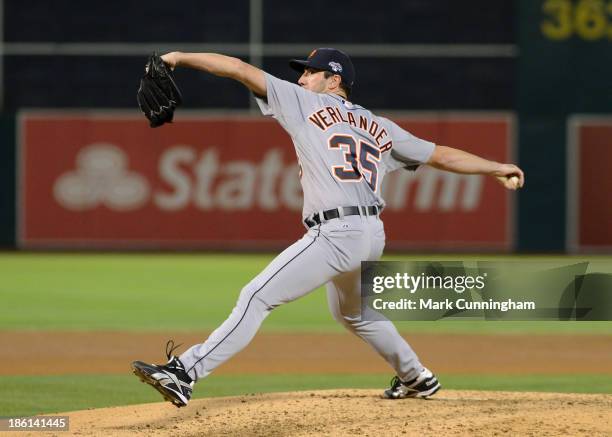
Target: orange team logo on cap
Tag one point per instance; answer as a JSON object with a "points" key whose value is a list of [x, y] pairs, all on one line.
{"points": [[312, 53]]}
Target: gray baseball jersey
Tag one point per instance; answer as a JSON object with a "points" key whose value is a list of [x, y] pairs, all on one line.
{"points": [[344, 150]]}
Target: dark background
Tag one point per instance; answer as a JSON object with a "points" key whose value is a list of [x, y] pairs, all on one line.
{"points": [[541, 80]]}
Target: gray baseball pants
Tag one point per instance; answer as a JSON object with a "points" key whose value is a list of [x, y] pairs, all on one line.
{"points": [[331, 254]]}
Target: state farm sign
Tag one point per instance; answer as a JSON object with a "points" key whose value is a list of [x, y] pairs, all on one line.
{"points": [[202, 181], [110, 181]]}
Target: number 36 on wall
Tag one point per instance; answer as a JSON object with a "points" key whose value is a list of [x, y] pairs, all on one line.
{"points": [[590, 20]]}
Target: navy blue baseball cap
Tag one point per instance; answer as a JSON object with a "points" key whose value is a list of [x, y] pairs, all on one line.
{"points": [[328, 59]]}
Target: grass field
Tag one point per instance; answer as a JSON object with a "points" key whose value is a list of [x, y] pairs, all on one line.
{"points": [[130, 292]]}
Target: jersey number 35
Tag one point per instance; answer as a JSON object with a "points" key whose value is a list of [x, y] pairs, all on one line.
{"points": [[360, 160]]}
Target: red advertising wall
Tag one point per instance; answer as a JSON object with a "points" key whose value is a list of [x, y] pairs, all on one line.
{"points": [[590, 184], [106, 180]]}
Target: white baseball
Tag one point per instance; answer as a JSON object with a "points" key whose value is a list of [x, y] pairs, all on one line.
{"points": [[515, 182]]}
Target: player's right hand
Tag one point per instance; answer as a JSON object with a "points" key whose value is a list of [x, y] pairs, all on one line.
{"points": [[507, 175]]}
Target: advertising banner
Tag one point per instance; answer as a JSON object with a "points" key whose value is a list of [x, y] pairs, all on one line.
{"points": [[589, 208], [107, 180]]}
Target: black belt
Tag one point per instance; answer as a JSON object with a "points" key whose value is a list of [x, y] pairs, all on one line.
{"points": [[331, 214]]}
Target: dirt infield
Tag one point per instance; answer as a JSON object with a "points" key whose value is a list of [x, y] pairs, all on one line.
{"points": [[334, 412], [358, 413], [55, 353]]}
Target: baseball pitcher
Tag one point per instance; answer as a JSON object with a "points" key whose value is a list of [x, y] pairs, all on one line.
{"points": [[344, 152]]}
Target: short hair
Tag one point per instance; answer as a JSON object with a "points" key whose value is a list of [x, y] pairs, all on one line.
{"points": [[344, 86]]}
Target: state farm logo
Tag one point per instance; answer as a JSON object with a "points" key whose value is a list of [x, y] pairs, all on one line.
{"points": [[186, 177], [101, 177], [189, 178]]}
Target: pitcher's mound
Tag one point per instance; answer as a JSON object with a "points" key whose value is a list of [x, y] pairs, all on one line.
{"points": [[359, 413]]}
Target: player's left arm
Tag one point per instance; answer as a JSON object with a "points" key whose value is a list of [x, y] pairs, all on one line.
{"points": [[459, 161], [220, 65]]}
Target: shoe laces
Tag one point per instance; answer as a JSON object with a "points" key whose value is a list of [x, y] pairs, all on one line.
{"points": [[170, 347], [395, 383], [173, 362]]}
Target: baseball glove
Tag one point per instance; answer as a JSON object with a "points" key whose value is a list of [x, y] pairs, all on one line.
{"points": [[158, 95]]}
